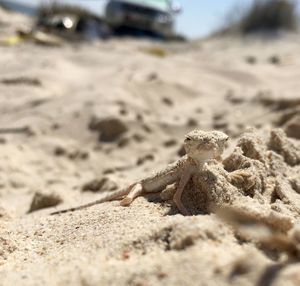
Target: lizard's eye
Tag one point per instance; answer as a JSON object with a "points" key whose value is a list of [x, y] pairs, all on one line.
{"points": [[188, 139]]}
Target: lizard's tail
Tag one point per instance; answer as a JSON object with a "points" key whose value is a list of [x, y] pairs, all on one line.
{"points": [[107, 197]]}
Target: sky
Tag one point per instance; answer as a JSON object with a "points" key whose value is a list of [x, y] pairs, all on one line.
{"points": [[197, 19]]}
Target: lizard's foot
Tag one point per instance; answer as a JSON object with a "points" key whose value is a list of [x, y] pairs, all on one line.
{"points": [[239, 177], [180, 206], [126, 202], [135, 191], [168, 192]]}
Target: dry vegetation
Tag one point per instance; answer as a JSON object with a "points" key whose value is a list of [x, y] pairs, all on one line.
{"points": [[262, 16]]}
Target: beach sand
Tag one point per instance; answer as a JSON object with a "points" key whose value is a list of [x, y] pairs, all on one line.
{"points": [[79, 120]]}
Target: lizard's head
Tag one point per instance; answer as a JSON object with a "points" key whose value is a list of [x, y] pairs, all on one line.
{"points": [[205, 145]]}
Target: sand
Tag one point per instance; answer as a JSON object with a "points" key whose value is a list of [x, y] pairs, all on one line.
{"points": [[79, 120]]}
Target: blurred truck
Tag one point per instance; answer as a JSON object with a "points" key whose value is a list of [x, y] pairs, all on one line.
{"points": [[153, 16]]}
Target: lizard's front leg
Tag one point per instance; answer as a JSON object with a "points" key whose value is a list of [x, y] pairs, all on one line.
{"points": [[185, 177]]}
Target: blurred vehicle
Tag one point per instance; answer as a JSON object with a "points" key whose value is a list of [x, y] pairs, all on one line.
{"points": [[72, 23], [155, 16]]}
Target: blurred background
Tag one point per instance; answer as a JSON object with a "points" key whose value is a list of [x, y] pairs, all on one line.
{"points": [[190, 18], [102, 91]]}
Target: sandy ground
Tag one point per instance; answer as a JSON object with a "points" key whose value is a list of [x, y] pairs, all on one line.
{"points": [[79, 120]]}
